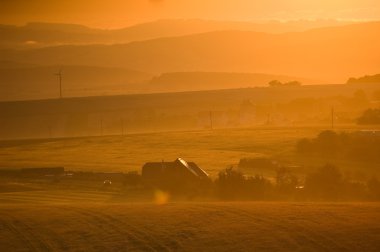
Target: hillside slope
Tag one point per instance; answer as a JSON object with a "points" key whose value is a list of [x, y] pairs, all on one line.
{"points": [[48, 34], [332, 54], [193, 81], [18, 81]]}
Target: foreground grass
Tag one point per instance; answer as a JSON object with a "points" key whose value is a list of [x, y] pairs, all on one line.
{"points": [[190, 227]]}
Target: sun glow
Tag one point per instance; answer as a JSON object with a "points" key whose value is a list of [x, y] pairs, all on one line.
{"points": [[118, 13]]}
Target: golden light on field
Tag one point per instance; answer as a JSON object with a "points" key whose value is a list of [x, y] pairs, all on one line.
{"points": [[189, 125]]}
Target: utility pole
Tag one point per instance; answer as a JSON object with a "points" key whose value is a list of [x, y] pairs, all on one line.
{"points": [[332, 117], [211, 126], [101, 126], [122, 126], [59, 74]]}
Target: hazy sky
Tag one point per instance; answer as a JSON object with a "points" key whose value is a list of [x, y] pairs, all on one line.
{"points": [[118, 13]]}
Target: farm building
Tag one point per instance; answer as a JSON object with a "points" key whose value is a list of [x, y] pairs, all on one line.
{"points": [[176, 173]]}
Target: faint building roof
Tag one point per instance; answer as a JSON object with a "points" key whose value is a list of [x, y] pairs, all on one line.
{"points": [[179, 168]]}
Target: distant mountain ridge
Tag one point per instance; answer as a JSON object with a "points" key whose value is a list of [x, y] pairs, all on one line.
{"points": [[332, 54], [33, 35]]}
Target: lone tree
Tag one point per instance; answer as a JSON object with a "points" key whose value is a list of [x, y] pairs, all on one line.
{"points": [[275, 83]]}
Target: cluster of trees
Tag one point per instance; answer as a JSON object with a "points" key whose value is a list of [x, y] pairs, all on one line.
{"points": [[325, 183], [370, 116], [232, 184], [367, 79], [276, 83], [356, 146]]}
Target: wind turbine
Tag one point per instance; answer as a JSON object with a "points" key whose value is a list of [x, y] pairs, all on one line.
{"points": [[59, 74]]}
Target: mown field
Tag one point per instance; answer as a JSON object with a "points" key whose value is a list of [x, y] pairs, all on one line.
{"points": [[74, 215], [190, 227], [211, 150]]}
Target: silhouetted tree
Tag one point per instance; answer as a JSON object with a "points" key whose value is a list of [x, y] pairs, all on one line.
{"points": [[230, 183], [370, 116], [275, 83], [358, 146], [367, 79], [327, 143], [325, 183], [258, 188], [351, 80]]}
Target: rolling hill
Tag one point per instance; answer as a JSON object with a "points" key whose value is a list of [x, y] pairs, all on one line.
{"points": [[23, 81], [83, 116], [331, 54], [20, 81], [34, 35], [193, 81]]}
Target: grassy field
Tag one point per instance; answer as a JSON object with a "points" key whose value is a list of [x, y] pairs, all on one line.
{"points": [[84, 216], [211, 150], [190, 227]]}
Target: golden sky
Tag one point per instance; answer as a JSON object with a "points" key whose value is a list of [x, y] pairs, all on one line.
{"points": [[119, 13]]}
